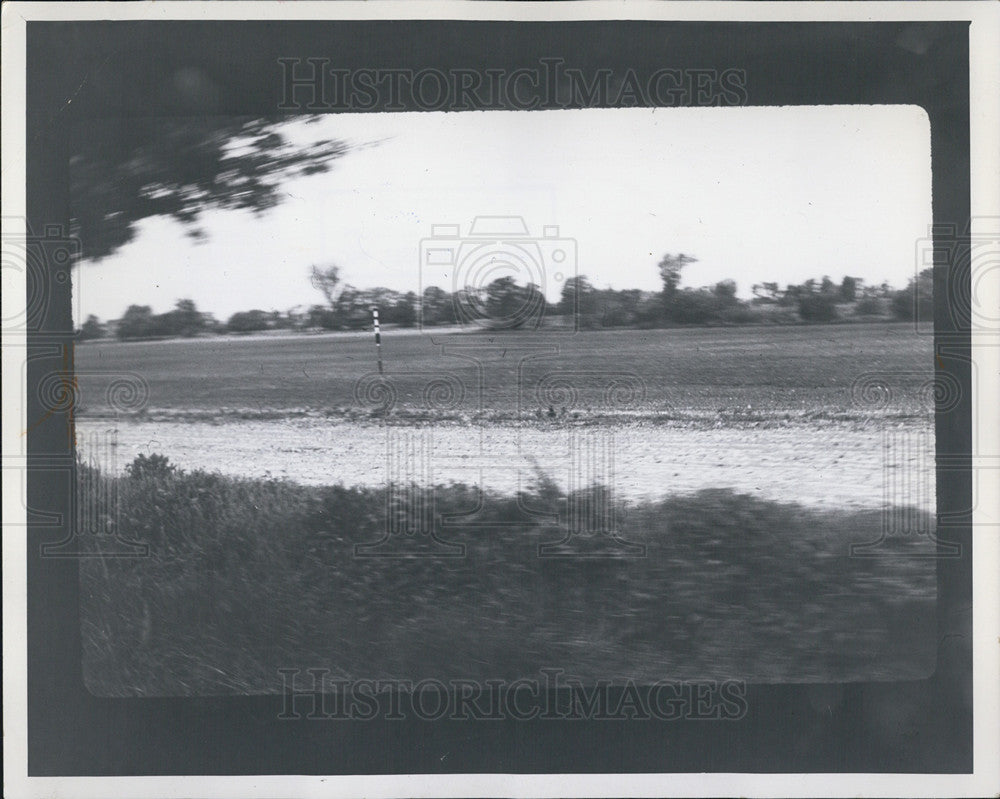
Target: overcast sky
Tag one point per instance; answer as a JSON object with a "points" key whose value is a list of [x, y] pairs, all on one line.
{"points": [[756, 194]]}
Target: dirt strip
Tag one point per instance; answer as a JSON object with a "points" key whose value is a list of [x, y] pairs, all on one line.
{"points": [[826, 464]]}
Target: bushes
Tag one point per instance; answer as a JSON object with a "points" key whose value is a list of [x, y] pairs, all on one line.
{"points": [[916, 301], [741, 315], [185, 319], [248, 322], [91, 329], [249, 576], [818, 308], [150, 466], [869, 306], [701, 306], [908, 304]]}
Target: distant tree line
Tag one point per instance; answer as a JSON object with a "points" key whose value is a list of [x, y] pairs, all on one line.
{"points": [[185, 167], [508, 304], [812, 301], [139, 321]]}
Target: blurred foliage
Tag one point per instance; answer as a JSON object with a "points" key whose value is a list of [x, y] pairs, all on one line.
{"points": [[818, 308], [91, 329], [180, 168], [249, 576], [869, 306], [185, 319], [670, 267], [150, 466], [916, 301], [248, 321]]}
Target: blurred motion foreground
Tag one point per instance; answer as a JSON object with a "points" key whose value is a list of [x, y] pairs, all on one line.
{"points": [[248, 577]]}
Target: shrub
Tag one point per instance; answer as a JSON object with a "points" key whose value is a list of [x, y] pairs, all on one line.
{"points": [[817, 308], [91, 329], [249, 576], [139, 322], [907, 302], [848, 289], [917, 299], [153, 465], [248, 321], [869, 306], [740, 315], [697, 306], [323, 317]]}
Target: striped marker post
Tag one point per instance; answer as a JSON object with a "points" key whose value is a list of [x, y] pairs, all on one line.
{"points": [[378, 338]]}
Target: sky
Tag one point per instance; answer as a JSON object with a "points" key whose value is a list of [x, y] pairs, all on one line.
{"points": [[755, 194]]}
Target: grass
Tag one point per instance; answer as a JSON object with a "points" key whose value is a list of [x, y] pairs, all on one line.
{"points": [[247, 577], [768, 369]]}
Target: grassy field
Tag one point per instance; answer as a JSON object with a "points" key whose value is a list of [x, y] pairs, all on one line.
{"points": [[691, 370], [249, 576], [246, 577]]}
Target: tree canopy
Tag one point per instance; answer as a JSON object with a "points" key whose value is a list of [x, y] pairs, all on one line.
{"points": [[327, 280], [180, 168], [670, 267]]}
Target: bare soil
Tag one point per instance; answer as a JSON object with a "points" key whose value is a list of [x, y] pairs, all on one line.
{"points": [[833, 464]]}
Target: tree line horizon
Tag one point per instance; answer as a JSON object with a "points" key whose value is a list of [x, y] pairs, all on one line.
{"points": [[180, 168], [505, 303]]}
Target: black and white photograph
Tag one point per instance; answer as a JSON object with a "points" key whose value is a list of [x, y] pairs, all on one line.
{"points": [[591, 452], [489, 393]]}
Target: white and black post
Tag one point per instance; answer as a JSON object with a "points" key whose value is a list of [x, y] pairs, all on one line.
{"points": [[378, 338]]}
